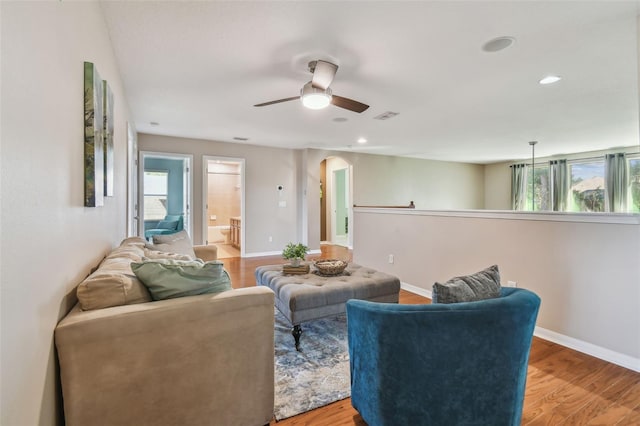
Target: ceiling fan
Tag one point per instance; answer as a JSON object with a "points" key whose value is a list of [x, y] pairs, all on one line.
{"points": [[317, 94]]}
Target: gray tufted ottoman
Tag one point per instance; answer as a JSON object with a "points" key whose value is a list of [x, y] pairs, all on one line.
{"points": [[307, 297]]}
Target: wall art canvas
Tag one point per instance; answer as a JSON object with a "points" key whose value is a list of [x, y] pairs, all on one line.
{"points": [[107, 96], [93, 138]]}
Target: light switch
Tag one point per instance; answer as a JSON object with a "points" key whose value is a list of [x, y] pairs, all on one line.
{"points": [[282, 204]]}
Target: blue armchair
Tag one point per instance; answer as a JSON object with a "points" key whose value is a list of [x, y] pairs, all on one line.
{"points": [[441, 364], [171, 224]]}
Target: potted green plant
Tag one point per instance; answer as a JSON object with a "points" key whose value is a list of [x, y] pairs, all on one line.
{"points": [[295, 253]]}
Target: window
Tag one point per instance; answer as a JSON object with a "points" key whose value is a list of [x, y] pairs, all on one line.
{"points": [[539, 182], [587, 186], [634, 184], [156, 184]]}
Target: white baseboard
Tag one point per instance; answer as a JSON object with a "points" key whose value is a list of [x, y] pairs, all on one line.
{"points": [[416, 290], [605, 354], [276, 253], [264, 253]]}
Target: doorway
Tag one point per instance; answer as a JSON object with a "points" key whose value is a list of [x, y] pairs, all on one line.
{"points": [[223, 192], [165, 191], [335, 202]]}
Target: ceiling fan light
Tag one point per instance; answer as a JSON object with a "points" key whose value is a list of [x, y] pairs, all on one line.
{"points": [[315, 98]]}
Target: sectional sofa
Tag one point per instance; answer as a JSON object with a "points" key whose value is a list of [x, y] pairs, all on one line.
{"points": [[127, 360]]}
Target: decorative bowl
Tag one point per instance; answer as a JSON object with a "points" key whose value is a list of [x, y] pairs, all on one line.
{"points": [[330, 266]]}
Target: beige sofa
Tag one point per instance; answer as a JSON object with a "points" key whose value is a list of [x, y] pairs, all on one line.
{"points": [[199, 360]]}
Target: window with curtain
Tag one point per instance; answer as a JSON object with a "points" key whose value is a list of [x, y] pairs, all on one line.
{"points": [[633, 198], [616, 183], [586, 193], [559, 185], [610, 183], [518, 186], [538, 182]]}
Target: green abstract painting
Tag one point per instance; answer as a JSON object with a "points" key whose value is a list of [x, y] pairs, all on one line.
{"points": [[108, 139], [93, 138]]}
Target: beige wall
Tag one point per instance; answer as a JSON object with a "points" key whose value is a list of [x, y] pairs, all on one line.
{"points": [[376, 180], [497, 186], [49, 240], [384, 180], [587, 274], [265, 169]]}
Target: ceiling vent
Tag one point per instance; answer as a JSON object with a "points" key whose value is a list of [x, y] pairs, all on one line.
{"points": [[237, 138], [386, 115]]}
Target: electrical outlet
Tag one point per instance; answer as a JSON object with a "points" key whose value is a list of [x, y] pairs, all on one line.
{"points": [[512, 284], [391, 258]]}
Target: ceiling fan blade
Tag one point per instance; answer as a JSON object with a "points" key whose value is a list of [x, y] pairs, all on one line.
{"points": [[349, 104], [277, 102], [323, 74]]}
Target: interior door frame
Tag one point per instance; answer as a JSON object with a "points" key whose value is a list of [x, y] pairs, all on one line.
{"points": [[188, 182], [205, 197], [132, 182]]}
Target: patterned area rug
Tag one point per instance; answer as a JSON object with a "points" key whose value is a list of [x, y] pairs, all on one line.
{"points": [[317, 375]]}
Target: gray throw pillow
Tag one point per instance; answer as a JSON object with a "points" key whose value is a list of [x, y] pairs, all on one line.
{"points": [[169, 278], [178, 242], [469, 288]]}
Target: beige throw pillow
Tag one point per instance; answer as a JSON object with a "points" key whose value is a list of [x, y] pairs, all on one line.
{"points": [[179, 243]]}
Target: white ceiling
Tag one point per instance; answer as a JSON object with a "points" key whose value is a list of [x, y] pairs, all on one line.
{"points": [[197, 69]]}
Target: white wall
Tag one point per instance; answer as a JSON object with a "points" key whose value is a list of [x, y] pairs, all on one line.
{"points": [[587, 274], [49, 240]]}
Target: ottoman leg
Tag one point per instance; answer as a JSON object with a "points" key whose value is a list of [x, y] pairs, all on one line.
{"points": [[297, 332]]}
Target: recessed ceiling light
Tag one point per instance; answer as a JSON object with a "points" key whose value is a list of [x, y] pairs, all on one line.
{"points": [[498, 44], [550, 79], [362, 140], [154, 123]]}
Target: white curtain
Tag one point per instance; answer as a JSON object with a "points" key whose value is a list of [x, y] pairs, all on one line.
{"points": [[615, 172], [560, 185], [518, 186]]}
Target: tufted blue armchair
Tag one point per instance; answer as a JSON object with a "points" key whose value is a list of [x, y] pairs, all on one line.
{"points": [[441, 364], [171, 224]]}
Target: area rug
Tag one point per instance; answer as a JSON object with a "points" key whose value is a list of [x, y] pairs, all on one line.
{"points": [[317, 375]]}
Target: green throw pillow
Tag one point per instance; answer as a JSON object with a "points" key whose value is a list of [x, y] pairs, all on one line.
{"points": [[469, 288], [169, 278]]}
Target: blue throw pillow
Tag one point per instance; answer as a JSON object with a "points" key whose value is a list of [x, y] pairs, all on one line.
{"points": [[169, 278]]}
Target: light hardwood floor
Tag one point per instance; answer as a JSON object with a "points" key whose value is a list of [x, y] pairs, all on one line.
{"points": [[564, 387]]}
